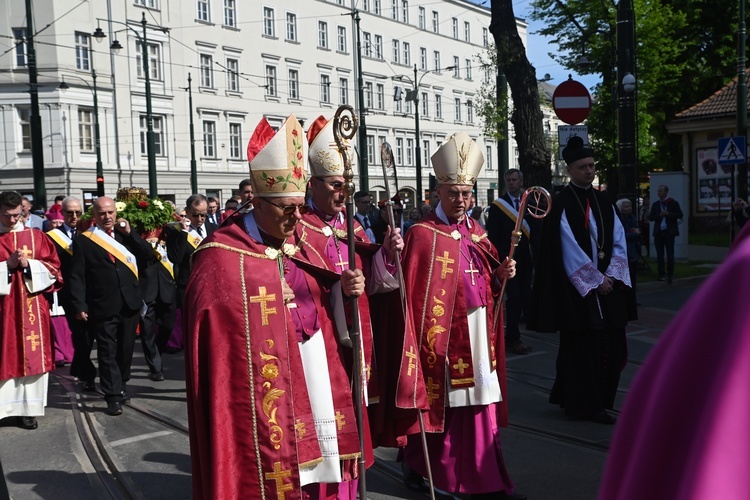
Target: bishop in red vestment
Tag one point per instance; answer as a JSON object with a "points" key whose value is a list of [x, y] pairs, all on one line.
{"points": [[29, 265], [453, 274], [269, 403]]}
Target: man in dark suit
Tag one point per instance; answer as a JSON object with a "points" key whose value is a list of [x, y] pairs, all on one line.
{"points": [[214, 217], [501, 222], [81, 366], [106, 294], [665, 213]]}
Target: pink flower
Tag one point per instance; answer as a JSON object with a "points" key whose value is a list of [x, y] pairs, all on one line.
{"points": [[294, 132], [297, 173], [299, 155]]}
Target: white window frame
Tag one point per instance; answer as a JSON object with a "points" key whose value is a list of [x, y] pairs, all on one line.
{"points": [[24, 122], [272, 81], [367, 38], [405, 11], [150, 4], [470, 111], [467, 31], [380, 96], [294, 84], [203, 11], [423, 58], [425, 104], [322, 35], [368, 95], [456, 67], [235, 140], [377, 8], [230, 13], [489, 157], [457, 108], [425, 153], [422, 18], [158, 128], [291, 27], [409, 151], [435, 21], [438, 106], [394, 10], [86, 130], [454, 21], [400, 151], [22, 53], [233, 74], [485, 37], [325, 89], [341, 39], [154, 61], [467, 64], [269, 22], [83, 51], [395, 51], [209, 139], [436, 60], [406, 49], [378, 44], [343, 91], [371, 150], [206, 71]]}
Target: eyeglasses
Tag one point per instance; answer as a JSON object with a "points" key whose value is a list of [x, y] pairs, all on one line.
{"points": [[12, 216], [336, 185], [453, 195], [290, 209], [201, 215], [77, 213]]}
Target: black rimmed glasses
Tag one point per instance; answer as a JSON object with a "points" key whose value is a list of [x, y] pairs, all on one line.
{"points": [[290, 209], [77, 213]]}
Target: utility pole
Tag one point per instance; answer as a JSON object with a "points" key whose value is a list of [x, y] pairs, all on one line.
{"points": [[420, 191], [193, 166], [741, 99], [35, 120], [97, 137], [364, 177], [626, 97], [150, 143]]}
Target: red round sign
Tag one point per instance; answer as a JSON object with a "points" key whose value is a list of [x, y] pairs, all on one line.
{"points": [[571, 102]]}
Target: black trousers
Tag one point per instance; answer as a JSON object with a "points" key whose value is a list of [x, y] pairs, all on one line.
{"points": [[83, 341], [148, 340], [165, 318], [115, 339], [664, 242]]}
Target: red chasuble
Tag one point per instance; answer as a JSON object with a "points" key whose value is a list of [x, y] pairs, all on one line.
{"points": [[251, 425], [25, 341], [436, 299]]}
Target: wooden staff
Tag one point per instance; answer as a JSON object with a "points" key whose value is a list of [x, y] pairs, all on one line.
{"points": [[345, 125], [537, 211]]}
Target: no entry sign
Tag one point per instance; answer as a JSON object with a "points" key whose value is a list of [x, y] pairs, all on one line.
{"points": [[571, 102]]}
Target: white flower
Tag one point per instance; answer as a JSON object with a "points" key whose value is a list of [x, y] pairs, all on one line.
{"points": [[159, 204], [120, 206]]}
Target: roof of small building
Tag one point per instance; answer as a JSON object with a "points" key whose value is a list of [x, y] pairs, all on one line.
{"points": [[723, 102]]}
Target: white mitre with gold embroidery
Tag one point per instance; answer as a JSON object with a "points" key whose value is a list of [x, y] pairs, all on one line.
{"points": [[277, 159], [325, 158], [458, 161]]}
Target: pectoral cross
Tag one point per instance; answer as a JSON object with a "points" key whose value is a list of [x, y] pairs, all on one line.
{"points": [[278, 475], [340, 420], [263, 298], [26, 252], [461, 366], [34, 339], [341, 263], [471, 271], [445, 260], [412, 361], [431, 386]]}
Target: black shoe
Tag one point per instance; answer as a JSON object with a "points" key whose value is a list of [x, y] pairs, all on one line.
{"points": [[29, 423], [669, 280], [114, 408], [89, 386], [603, 418], [124, 398], [412, 480], [156, 377], [514, 496], [59, 364]]}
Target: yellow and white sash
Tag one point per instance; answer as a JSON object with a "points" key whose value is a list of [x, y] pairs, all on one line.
{"points": [[62, 239], [194, 238], [160, 252], [112, 246], [511, 212]]}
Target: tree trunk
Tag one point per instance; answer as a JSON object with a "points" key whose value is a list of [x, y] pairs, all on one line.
{"points": [[533, 155]]}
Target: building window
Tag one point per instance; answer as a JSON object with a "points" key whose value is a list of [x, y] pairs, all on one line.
{"points": [[467, 63], [407, 53], [487, 74], [158, 127], [370, 149], [325, 88], [268, 22], [423, 59], [366, 5], [456, 68], [293, 84], [83, 45], [209, 139], [291, 27], [470, 111], [233, 75], [425, 104], [378, 47], [367, 43], [408, 107], [485, 37], [398, 103], [207, 71], [458, 108], [24, 120], [341, 45], [376, 7], [368, 95], [271, 82], [151, 4], [19, 36], [422, 16], [394, 10], [203, 11], [435, 22], [455, 28], [235, 140], [409, 151], [436, 57], [230, 13], [343, 91], [438, 107], [380, 95], [399, 151], [405, 11], [489, 158], [467, 31], [396, 51], [425, 153], [86, 130], [322, 35], [154, 61]]}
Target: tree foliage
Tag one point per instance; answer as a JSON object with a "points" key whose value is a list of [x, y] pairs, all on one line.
{"points": [[493, 113]]}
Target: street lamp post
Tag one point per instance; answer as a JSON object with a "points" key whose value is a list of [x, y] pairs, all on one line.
{"points": [[413, 95], [193, 165], [97, 138], [150, 142], [626, 99]]}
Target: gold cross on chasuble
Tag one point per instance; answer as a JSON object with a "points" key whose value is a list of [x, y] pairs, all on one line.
{"points": [[445, 260], [26, 252], [340, 420], [431, 386], [278, 475], [412, 361], [34, 339], [263, 299], [461, 366]]}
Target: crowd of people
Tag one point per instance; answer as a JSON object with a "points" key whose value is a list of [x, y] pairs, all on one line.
{"points": [[315, 336]]}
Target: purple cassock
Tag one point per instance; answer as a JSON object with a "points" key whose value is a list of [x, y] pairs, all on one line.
{"points": [[684, 431]]}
